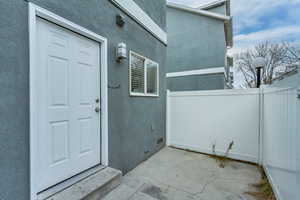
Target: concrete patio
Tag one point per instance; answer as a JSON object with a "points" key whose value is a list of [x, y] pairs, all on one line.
{"points": [[174, 174]]}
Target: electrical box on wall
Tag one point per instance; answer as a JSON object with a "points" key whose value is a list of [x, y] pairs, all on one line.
{"points": [[120, 20]]}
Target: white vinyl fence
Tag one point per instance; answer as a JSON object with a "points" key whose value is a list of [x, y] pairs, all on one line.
{"points": [[281, 141], [198, 120], [264, 125]]}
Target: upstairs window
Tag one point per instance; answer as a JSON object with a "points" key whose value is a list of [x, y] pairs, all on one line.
{"points": [[143, 74]]}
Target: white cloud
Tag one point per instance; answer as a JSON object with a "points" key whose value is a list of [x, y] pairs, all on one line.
{"points": [[279, 34], [247, 13], [273, 34]]}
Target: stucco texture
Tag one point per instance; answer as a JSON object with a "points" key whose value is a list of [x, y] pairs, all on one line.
{"points": [[135, 123], [152, 8], [194, 42], [14, 101], [196, 82]]}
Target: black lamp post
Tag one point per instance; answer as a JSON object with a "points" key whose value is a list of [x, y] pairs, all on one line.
{"points": [[258, 75], [259, 64]]}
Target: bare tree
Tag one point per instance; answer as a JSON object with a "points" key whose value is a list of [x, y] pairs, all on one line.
{"points": [[280, 58]]}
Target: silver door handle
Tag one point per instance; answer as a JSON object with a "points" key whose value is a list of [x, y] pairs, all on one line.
{"points": [[97, 109]]}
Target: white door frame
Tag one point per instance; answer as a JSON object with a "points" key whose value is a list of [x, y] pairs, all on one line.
{"points": [[34, 12]]}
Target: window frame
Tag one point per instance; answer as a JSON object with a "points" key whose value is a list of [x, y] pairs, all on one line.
{"points": [[145, 94]]}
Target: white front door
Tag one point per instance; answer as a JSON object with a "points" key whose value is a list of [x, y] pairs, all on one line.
{"points": [[68, 85]]}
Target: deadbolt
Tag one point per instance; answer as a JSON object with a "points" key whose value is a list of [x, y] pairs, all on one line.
{"points": [[97, 109], [97, 100]]}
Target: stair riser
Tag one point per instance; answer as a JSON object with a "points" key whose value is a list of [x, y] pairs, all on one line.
{"points": [[93, 187], [104, 190]]}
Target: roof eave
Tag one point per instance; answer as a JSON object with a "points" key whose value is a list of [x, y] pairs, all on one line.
{"points": [[217, 4], [212, 4], [199, 11]]}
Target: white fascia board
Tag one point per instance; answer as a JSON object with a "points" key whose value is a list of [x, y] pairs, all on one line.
{"points": [[212, 4], [140, 16], [198, 11], [215, 70]]}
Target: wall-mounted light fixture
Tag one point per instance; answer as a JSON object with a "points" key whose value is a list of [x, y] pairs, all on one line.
{"points": [[121, 51]]}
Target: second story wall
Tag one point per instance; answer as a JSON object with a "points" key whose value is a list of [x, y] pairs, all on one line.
{"points": [[156, 9], [194, 41]]}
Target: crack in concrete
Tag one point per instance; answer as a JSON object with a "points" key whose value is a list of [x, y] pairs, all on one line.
{"points": [[208, 182], [136, 191], [155, 185]]}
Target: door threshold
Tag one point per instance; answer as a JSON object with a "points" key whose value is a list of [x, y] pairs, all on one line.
{"points": [[68, 183]]}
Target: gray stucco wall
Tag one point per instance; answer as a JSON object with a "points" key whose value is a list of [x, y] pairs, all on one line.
{"points": [[14, 102], [154, 7], [194, 42], [133, 128], [196, 82]]}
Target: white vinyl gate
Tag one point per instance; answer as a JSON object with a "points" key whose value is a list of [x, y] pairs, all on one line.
{"points": [[262, 123], [199, 120], [281, 140]]}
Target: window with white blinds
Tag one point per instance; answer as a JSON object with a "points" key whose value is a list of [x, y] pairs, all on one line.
{"points": [[143, 74]]}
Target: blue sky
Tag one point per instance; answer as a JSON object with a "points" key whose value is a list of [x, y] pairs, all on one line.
{"points": [[256, 21]]}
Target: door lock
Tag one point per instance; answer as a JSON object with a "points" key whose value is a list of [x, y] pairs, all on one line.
{"points": [[97, 100], [97, 109]]}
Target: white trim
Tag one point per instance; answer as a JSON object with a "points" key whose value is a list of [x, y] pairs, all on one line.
{"points": [[138, 14], [34, 12], [199, 11], [252, 91], [145, 94], [215, 70], [212, 4]]}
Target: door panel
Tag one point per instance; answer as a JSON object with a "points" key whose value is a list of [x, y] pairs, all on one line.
{"points": [[68, 85]]}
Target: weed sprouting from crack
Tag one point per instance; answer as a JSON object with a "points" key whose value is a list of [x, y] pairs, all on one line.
{"points": [[264, 188], [222, 160]]}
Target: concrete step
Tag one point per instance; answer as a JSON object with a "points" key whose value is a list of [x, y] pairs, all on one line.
{"points": [[93, 187]]}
